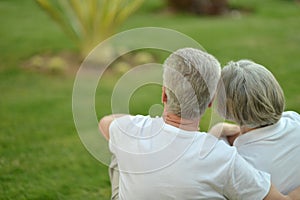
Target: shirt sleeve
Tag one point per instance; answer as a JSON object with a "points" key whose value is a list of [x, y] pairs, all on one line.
{"points": [[121, 131], [224, 139], [245, 182], [112, 142]]}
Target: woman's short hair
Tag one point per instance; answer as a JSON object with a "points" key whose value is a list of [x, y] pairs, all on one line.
{"points": [[191, 77], [249, 95]]}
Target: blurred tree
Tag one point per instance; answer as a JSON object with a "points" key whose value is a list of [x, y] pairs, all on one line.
{"points": [[88, 22], [205, 7]]}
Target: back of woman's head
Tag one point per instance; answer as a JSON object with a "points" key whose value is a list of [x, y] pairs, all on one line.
{"points": [[250, 95]]}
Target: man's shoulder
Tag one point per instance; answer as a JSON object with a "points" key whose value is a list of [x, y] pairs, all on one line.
{"points": [[213, 147], [133, 128], [137, 122]]}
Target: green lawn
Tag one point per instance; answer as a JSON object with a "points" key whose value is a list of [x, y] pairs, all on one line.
{"points": [[41, 155]]}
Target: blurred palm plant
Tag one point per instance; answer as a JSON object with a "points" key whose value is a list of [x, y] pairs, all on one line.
{"points": [[88, 22]]}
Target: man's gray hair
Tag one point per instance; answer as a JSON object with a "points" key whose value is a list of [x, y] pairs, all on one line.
{"points": [[191, 77], [251, 95]]}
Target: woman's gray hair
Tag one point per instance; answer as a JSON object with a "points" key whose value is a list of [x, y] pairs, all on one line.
{"points": [[250, 95], [191, 77]]}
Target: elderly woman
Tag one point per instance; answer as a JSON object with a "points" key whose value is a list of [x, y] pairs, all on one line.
{"points": [[265, 135]]}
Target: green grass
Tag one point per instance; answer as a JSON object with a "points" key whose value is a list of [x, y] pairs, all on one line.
{"points": [[41, 155]]}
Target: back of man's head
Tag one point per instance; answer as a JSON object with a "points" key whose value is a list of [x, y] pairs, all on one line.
{"points": [[190, 77]]}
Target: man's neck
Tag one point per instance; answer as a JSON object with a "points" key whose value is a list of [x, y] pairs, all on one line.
{"points": [[185, 124]]}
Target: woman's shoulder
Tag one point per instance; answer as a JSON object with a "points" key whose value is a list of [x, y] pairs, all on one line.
{"points": [[291, 116]]}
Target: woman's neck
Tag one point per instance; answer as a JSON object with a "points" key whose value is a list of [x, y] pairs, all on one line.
{"points": [[245, 129]]}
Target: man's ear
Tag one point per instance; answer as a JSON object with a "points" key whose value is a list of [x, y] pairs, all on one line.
{"points": [[164, 97], [211, 102]]}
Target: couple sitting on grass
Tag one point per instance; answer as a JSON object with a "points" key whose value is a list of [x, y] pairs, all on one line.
{"points": [[168, 157]]}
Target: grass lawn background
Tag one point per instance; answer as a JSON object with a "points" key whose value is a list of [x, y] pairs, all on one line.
{"points": [[41, 156]]}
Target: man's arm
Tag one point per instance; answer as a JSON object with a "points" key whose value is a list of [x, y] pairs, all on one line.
{"points": [[245, 182], [230, 131], [105, 122], [274, 194], [295, 194]]}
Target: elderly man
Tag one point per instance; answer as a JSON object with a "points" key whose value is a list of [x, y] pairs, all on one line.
{"points": [[266, 137], [168, 157]]}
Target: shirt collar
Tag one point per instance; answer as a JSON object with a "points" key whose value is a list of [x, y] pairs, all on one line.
{"points": [[258, 134]]}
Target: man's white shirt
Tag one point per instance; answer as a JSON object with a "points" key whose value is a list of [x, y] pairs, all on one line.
{"points": [[159, 161]]}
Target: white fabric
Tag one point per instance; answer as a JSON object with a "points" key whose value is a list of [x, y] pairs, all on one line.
{"points": [[276, 150], [159, 161]]}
